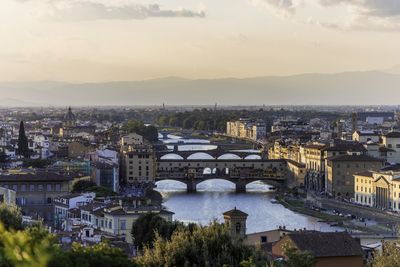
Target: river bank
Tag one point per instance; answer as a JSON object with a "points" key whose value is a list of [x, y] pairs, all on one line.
{"points": [[344, 217]]}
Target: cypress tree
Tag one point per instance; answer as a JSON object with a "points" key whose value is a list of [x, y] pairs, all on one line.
{"points": [[23, 147]]}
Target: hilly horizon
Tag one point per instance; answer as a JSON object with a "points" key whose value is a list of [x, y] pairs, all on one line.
{"points": [[346, 88]]}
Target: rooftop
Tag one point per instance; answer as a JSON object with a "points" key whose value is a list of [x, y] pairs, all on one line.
{"points": [[334, 244], [354, 158], [235, 212]]}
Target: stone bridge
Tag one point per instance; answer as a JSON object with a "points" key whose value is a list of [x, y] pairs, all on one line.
{"points": [[239, 172], [213, 153]]}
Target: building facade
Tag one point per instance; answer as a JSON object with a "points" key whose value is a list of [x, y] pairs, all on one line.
{"points": [[36, 190], [139, 164], [247, 129], [379, 189], [340, 172]]}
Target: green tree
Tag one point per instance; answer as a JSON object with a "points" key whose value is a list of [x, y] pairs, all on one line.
{"points": [[35, 163], [3, 157], [23, 146], [150, 132], [11, 217], [101, 191], [296, 258], [82, 186], [203, 246], [99, 255], [145, 228], [388, 257], [31, 247]]}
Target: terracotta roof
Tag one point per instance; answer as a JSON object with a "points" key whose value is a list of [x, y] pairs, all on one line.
{"points": [[354, 158], [385, 149], [235, 212], [334, 244], [315, 146], [367, 133], [34, 176], [295, 163], [365, 174], [346, 146], [395, 167], [393, 135]]}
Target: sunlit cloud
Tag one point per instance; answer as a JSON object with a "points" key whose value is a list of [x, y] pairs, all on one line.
{"points": [[372, 15], [80, 10]]}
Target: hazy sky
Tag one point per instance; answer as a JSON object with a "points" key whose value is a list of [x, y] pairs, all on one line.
{"points": [[103, 40]]}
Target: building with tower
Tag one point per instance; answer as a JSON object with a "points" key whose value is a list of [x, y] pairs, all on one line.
{"points": [[235, 220], [69, 119], [70, 127]]}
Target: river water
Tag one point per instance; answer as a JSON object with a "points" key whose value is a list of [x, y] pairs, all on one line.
{"points": [[217, 196], [214, 197]]}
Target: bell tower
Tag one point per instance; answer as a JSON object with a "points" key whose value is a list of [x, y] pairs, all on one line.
{"points": [[235, 220]]}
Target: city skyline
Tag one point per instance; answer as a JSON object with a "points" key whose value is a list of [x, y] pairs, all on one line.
{"points": [[99, 41]]}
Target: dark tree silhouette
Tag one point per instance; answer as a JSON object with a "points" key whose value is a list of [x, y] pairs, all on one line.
{"points": [[23, 147]]}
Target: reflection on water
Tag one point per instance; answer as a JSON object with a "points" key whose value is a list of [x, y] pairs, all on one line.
{"points": [[217, 196], [184, 141]]}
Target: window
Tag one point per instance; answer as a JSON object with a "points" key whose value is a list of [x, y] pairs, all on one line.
{"points": [[23, 187], [49, 200], [48, 187], [40, 187], [110, 224], [238, 227], [15, 187], [31, 187], [123, 224], [58, 187]]}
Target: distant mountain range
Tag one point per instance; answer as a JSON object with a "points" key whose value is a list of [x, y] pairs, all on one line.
{"points": [[347, 88]]}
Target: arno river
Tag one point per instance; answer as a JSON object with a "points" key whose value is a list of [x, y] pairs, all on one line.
{"points": [[217, 196]]}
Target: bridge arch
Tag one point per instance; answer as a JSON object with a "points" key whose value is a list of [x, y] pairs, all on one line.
{"points": [[172, 156], [200, 155], [177, 184], [229, 156], [253, 157], [230, 182]]}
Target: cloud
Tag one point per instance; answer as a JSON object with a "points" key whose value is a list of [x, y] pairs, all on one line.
{"points": [[80, 10], [282, 7], [356, 15], [370, 14]]}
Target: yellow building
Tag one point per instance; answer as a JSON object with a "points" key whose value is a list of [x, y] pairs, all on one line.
{"points": [[340, 172], [139, 164], [297, 173], [247, 129], [379, 189]]}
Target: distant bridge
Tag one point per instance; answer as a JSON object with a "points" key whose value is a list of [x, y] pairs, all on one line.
{"points": [[239, 172], [213, 153]]}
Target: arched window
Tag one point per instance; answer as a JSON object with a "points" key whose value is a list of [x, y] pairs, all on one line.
{"points": [[238, 227]]}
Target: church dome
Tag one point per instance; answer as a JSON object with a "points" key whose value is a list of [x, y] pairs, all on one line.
{"points": [[69, 116]]}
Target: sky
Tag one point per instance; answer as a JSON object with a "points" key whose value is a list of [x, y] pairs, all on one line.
{"points": [[111, 40]]}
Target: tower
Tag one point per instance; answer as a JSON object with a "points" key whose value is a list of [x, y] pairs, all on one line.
{"points": [[235, 220], [354, 122], [69, 119]]}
